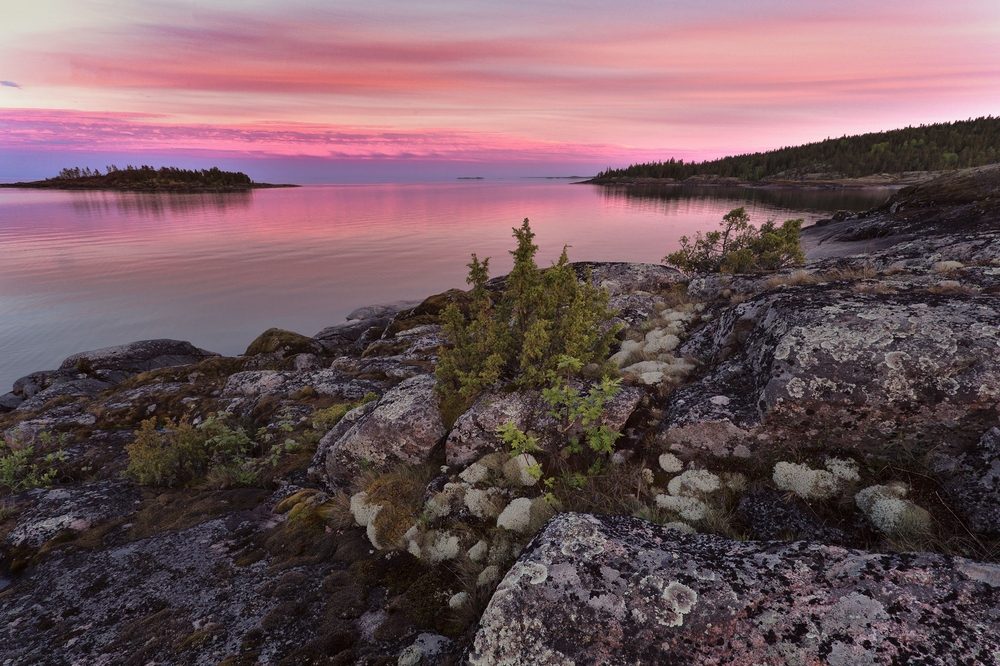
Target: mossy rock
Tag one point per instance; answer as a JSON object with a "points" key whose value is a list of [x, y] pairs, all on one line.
{"points": [[429, 311], [287, 343]]}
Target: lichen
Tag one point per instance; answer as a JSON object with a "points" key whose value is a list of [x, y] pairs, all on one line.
{"points": [[805, 482]]}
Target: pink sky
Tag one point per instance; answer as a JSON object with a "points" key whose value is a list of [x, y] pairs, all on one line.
{"points": [[561, 85]]}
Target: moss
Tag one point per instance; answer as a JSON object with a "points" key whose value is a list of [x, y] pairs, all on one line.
{"points": [[428, 312], [285, 505], [287, 343], [392, 348], [195, 641], [427, 601]]}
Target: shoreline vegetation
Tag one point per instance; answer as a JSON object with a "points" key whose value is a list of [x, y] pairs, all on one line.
{"points": [[896, 158], [148, 179]]}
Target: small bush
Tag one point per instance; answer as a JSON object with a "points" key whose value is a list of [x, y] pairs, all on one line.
{"points": [[20, 470], [739, 248], [179, 453], [541, 316]]}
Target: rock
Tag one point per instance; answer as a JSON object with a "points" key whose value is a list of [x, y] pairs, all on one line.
{"points": [[137, 357], [285, 343], [77, 509], [384, 310], [352, 337], [475, 432], [622, 277], [663, 597], [9, 402], [770, 517], [859, 365], [975, 488], [404, 425], [77, 388]]}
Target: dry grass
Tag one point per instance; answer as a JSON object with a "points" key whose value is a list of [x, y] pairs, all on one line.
{"points": [[873, 288], [952, 287], [336, 512]]}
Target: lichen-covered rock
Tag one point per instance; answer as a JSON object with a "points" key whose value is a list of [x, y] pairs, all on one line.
{"points": [[975, 487], [891, 513], [77, 388], [663, 597], [769, 516], [404, 426], [76, 509], [137, 357], [797, 361]]}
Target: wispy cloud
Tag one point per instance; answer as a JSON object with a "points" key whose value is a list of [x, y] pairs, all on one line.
{"points": [[10, 84]]}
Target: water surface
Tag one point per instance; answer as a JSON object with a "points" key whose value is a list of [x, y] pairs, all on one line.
{"points": [[84, 270]]}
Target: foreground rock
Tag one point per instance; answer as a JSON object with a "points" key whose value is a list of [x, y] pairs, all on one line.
{"points": [[856, 366], [404, 426], [613, 590]]}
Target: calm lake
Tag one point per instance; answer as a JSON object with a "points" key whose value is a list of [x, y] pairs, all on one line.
{"points": [[84, 270]]}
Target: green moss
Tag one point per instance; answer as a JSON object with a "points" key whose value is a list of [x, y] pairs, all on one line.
{"points": [[287, 343]]}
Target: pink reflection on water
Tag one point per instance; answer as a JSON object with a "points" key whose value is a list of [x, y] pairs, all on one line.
{"points": [[83, 270]]}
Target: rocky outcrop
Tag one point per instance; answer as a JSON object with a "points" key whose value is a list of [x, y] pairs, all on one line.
{"points": [[74, 509], [136, 357], [404, 426], [662, 597], [857, 366]]}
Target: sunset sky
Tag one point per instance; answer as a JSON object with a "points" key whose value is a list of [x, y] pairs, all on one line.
{"points": [[325, 91]]}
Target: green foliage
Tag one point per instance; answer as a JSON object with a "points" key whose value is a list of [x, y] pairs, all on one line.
{"points": [[958, 145], [20, 470], [539, 317], [740, 248], [181, 452]]}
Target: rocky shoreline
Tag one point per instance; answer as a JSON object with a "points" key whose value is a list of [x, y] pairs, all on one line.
{"points": [[815, 181], [807, 474]]}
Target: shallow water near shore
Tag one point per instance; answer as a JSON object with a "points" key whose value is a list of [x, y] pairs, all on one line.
{"points": [[84, 270]]}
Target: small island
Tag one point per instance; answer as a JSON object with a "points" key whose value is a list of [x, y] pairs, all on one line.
{"points": [[148, 179]]}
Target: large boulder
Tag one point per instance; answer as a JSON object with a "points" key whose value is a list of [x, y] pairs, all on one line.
{"points": [[404, 426], [86, 387], [126, 360], [614, 590], [801, 362]]}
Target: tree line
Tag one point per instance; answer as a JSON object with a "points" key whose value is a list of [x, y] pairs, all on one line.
{"points": [[132, 176], [942, 146]]}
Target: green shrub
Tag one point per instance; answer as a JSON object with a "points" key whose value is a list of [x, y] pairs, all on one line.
{"points": [[541, 316], [181, 452], [740, 248], [20, 470]]}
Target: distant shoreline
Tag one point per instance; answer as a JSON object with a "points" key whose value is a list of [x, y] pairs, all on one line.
{"points": [[179, 188], [877, 181]]}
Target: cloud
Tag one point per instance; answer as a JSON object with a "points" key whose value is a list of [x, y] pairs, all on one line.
{"points": [[10, 84]]}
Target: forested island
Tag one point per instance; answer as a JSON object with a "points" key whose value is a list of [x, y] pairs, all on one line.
{"points": [[897, 157], [148, 179]]}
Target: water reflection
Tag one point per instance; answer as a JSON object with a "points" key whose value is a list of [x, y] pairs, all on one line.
{"points": [[671, 198], [157, 204], [83, 270]]}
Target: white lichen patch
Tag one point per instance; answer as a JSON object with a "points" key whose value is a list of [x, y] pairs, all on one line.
{"points": [[688, 508], [474, 473], [890, 513], [458, 600], [519, 470], [479, 551], [844, 470], [488, 575], [683, 528], [441, 505], [516, 517], [486, 503], [694, 483], [805, 482], [670, 463], [440, 546], [364, 513]]}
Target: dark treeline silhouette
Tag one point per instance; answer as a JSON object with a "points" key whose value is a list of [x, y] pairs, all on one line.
{"points": [[132, 177], [957, 145]]}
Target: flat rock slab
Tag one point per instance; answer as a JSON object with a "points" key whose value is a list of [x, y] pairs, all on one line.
{"points": [[77, 509], [614, 590]]}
